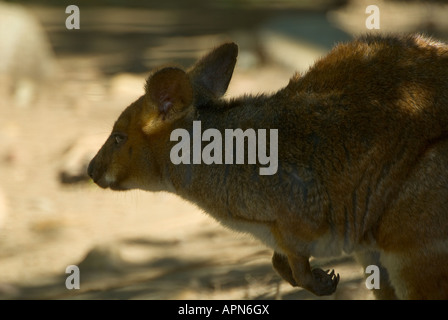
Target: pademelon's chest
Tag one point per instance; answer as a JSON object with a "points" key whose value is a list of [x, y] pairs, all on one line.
{"points": [[259, 230], [324, 246]]}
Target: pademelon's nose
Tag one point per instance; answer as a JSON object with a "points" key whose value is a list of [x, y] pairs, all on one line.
{"points": [[90, 169]]}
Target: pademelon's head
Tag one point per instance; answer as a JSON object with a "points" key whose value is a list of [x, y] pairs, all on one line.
{"points": [[133, 155]]}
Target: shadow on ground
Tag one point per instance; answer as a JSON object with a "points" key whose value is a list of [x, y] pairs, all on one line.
{"points": [[107, 272]]}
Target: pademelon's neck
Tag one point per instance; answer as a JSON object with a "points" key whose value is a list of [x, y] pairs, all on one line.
{"points": [[207, 177]]}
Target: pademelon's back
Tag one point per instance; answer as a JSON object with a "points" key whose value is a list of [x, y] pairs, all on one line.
{"points": [[380, 64], [388, 77]]}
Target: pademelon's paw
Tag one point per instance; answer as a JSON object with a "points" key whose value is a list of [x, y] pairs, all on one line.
{"points": [[325, 282]]}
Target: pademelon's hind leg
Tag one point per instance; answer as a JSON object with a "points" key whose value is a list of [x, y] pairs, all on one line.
{"points": [[419, 274], [386, 291], [413, 235]]}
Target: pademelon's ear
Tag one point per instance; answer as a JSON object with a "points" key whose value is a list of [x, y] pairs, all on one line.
{"points": [[211, 75], [168, 93]]}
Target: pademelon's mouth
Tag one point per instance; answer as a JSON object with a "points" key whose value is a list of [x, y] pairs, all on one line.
{"points": [[117, 187], [111, 186], [107, 182]]}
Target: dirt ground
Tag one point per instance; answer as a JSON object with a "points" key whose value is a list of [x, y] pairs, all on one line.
{"points": [[132, 245]]}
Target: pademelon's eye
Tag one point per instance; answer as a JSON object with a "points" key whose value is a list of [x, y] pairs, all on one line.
{"points": [[119, 138]]}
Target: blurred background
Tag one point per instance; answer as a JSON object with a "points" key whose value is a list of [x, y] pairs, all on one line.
{"points": [[61, 90]]}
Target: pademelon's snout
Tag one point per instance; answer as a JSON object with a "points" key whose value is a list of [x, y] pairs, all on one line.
{"points": [[95, 174], [90, 169], [102, 176]]}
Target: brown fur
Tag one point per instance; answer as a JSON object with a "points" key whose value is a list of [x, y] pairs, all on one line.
{"points": [[362, 159]]}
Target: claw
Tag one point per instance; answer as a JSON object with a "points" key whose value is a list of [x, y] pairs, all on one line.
{"points": [[325, 281]]}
